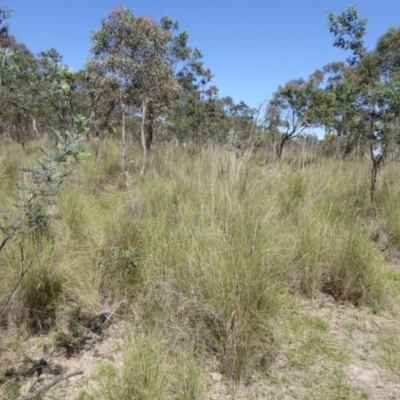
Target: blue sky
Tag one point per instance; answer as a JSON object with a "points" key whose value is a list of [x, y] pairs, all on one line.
{"points": [[250, 46]]}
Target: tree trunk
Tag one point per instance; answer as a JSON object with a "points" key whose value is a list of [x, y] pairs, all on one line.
{"points": [[377, 161], [150, 126], [124, 160], [374, 175], [143, 137], [97, 140], [279, 147], [21, 133], [35, 131]]}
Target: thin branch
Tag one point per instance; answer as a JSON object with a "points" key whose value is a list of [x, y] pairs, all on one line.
{"points": [[51, 384], [5, 240], [396, 158], [16, 286]]}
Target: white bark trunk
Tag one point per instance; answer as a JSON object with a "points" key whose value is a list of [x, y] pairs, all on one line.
{"points": [[124, 160], [143, 137]]}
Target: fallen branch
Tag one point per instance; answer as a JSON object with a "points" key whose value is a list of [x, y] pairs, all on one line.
{"points": [[51, 384]]}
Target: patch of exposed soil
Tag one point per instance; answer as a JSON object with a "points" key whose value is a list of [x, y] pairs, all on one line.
{"points": [[355, 331], [38, 362], [358, 330]]}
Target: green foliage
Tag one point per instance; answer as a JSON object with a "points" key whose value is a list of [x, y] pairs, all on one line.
{"points": [[35, 92], [36, 198], [330, 145], [388, 49], [349, 30], [56, 92], [370, 76], [18, 83], [143, 69], [131, 61], [288, 111], [5, 13], [80, 126], [28, 226]]}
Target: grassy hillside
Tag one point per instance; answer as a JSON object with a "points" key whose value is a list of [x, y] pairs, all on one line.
{"points": [[213, 263]]}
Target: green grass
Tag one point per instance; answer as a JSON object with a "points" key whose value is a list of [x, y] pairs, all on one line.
{"points": [[389, 356], [201, 257], [152, 371], [316, 346], [316, 361]]}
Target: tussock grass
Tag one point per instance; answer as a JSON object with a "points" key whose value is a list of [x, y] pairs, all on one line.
{"points": [[201, 256], [152, 370], [73, 208], [35, 303], [340, 260], [98, 172], [211, 256]]}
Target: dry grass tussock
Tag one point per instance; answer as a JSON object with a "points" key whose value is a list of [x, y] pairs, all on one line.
{"points": [[202, 258]]}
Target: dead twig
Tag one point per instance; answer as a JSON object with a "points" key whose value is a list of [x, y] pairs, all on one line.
{"points": [[51, 384], [24, 270]]}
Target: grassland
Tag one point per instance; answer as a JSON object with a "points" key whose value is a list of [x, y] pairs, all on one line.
{"points": [[265, 275]]}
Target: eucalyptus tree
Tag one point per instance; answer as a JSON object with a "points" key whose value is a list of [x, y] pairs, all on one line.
{"points": [[239, 120], [5, 13], [374, 77], [379, 108], [18, 82], [16, 76], [288, 112], [97, 104], [32, 89], [198, 113], [55, 91], [130, 57], [334, 108], [388, 50], [349, 30]]}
